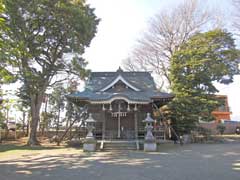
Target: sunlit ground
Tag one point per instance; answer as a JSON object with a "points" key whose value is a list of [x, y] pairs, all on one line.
{"points": [[196, 161]]}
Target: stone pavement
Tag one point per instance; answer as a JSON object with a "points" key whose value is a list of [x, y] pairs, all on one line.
{"points": [[173, 162]]}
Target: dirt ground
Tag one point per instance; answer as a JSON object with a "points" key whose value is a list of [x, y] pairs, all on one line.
{"points": [[172, 162]]}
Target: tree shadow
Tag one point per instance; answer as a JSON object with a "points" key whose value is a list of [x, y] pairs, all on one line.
{"points": [[72, 166], [11, 147], [75, 164]]}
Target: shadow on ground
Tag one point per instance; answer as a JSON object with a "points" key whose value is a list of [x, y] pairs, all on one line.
{"points": [[72, 166], [215, 162], [11, 147]]}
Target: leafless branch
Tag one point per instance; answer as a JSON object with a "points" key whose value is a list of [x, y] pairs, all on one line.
{"points": [[58, 81], [236, 16], [167, 31]]}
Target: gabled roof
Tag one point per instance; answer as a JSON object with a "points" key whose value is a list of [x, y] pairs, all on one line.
{"points": [[119, 78], [139, 80], [141, 87]]}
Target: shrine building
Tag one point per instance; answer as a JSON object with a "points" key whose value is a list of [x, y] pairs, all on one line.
{"points": [[119, 102]]}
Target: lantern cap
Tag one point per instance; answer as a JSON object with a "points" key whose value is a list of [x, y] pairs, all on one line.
{"points": [[90, 119], [148, 119]]}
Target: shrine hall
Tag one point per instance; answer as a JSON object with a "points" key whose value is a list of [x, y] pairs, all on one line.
{"points": [[119, 102]]}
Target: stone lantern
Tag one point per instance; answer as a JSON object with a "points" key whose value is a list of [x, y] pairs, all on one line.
{"points": [[149, 141], [90, 142]]}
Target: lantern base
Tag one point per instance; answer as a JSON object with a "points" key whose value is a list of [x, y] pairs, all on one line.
{"points": [[150, 146], [89, 146]]}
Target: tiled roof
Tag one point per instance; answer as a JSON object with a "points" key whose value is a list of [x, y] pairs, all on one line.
{"points": [[141, 80], [99, 80], [145, 96]]}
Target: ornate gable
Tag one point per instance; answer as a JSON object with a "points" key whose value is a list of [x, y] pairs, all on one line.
{"points": [[118, 80]]}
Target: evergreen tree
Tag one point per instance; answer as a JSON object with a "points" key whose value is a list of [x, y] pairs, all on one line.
{"points": [[38, 36], [204, 59]]}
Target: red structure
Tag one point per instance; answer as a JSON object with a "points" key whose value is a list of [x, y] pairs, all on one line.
{"points": [[223, 112]]}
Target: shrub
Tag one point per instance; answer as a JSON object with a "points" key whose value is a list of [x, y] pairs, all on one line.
{"points": [[203, 131], [221, 128]]}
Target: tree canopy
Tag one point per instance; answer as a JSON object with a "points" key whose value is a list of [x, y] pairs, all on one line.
{"points": [[166, 32], [5, 75], [45, 40], [204, 59]]}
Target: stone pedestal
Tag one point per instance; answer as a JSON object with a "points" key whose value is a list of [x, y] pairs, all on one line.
{"points": [[89, 145], [150, 146]]}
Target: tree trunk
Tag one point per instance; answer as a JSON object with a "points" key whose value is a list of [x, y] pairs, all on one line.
{"points": [[43, 130], [23, 122], [28, 122], [36, 102], [7, 130], [45, 123], [70, 130], [58, 121]]}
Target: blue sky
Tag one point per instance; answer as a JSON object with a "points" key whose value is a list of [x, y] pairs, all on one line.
{"points": [[124, 21]]}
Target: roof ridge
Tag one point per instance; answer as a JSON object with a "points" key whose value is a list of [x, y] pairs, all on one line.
{"points": [[121, 71]]}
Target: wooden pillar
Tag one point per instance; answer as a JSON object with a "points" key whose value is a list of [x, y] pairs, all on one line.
{"points": [[104, 124], [136, 124]]}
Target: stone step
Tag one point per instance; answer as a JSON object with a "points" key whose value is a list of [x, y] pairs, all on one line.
{"points": [[120, 149], [161, 141], [118, 145]]}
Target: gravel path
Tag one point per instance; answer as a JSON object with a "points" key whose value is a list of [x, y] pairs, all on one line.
{"points": [[189, 162]]}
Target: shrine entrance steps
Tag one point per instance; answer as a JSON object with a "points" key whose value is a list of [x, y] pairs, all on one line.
{"points": [[125, 145], [119, 145]]}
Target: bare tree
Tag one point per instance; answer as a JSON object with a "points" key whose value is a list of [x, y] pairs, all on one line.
{"points": [[236, 19], [167, 31]]}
